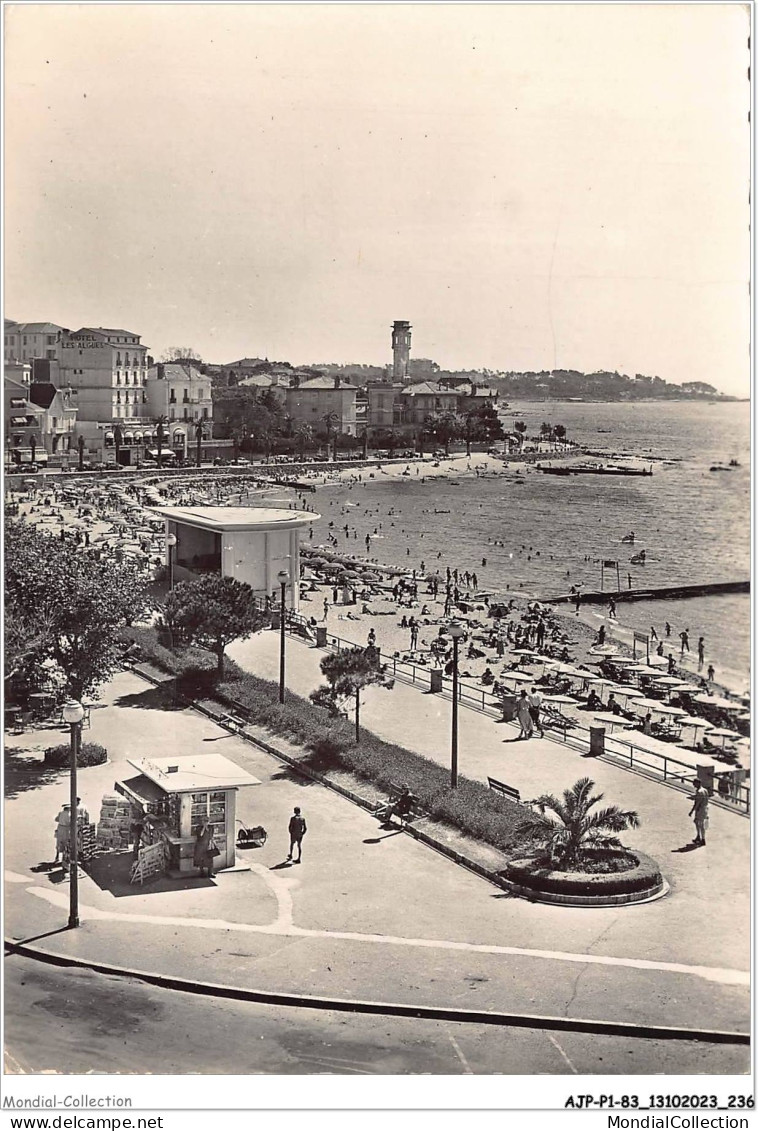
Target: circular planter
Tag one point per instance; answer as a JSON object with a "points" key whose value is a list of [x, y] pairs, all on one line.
{"points": [[638, 884]]}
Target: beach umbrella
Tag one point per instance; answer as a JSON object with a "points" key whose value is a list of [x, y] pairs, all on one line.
{"points": [[668, 681], [667, 709], [694, 721], [609, 718], [658, 661], [717, 701], [559, 699], [724, 734]]}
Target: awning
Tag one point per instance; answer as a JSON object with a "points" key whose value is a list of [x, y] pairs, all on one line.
{"points": [[109, 437], [138, 437], [180, 434], [166, 453], [18, 421], [141, 790], [128, 436]]}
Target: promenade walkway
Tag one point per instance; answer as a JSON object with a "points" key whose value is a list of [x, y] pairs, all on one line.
{"points": [[368, 914], [706, 918]]}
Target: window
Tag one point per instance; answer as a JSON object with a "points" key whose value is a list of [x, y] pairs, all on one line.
{"points": [[24, 339], [205, 414], [51, 354], [186, 414], [172, 397], [51, 339]]}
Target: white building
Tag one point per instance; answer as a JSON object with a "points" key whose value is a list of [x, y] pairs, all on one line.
{"points": [[25, 341], [107, 368], [178, 391], [251, 544]]}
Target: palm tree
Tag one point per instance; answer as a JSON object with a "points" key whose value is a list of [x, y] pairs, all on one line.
{"points": [[576, 831], [329, 419], [118, 439], [199, 441], [304, 434]]}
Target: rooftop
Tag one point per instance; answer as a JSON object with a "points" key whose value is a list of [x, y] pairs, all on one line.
{"points": [[104, 330], [35, 327], [237, 518], [193, 772]]}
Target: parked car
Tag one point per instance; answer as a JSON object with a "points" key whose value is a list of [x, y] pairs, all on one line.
{"points": [[241, 463], [439, 453]]}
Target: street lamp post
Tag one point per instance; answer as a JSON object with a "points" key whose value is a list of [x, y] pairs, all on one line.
{"points": [[171, 542], [456, 631], [282, 577], [73, 713]]}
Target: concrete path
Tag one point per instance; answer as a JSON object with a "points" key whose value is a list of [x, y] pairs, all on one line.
{"points": [[706, 918], [366, 915]]}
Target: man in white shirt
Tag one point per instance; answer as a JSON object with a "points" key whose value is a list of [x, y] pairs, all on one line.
{"points": [[535, 702]]}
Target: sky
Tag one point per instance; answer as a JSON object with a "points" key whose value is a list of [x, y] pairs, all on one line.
{"points": [[531, 186]]}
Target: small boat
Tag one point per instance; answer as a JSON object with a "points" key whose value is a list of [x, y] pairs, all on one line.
{"points": [[734, 463], [720, 467], [629, 537], [639, 559]]}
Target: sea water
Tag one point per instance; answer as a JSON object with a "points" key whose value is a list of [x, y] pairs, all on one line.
{"points": [[542, 534]]}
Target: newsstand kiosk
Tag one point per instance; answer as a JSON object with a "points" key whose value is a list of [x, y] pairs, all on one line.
{"points": [[174, 797]]}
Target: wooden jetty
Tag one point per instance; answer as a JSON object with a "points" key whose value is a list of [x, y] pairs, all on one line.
{"points": [[664, 593]]}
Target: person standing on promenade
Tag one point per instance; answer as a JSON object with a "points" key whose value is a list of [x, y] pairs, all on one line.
{"points": [[577, 602], [671, 663], [700, 653], [62, 832], [684, 636], [297, 830], [326, 608], [371, 643], [413, 626], [535, 702], [653, 633], [523, 714], [699, 811], [612, 609], [711, 673]]}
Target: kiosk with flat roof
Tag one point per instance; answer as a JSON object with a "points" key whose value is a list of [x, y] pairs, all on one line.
{"points": [[174, 797], [250, 544]]}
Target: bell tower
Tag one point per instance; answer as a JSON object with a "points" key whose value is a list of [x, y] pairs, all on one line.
{"points": [[401, 350]]}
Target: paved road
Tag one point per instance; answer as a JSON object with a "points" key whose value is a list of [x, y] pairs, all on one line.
{"points": [[367, 915], [68, 1020]]}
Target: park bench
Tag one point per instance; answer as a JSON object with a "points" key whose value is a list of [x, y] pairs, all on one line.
{"points": [[233, 721], [415, 813], [506, 790]]}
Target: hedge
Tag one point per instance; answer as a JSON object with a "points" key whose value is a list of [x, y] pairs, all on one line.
{"points": [[534, 874], [472, 808], [90, 754]]}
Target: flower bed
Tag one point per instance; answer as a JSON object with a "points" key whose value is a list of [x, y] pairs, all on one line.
{"points": [[329, 743], [641, 880], [90, 754]]}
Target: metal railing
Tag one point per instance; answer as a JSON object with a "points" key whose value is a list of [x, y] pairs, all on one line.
{"points": [[618, 751]]}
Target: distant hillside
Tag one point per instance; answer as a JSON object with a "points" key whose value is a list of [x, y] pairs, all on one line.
{"points": [[571, 384]]}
